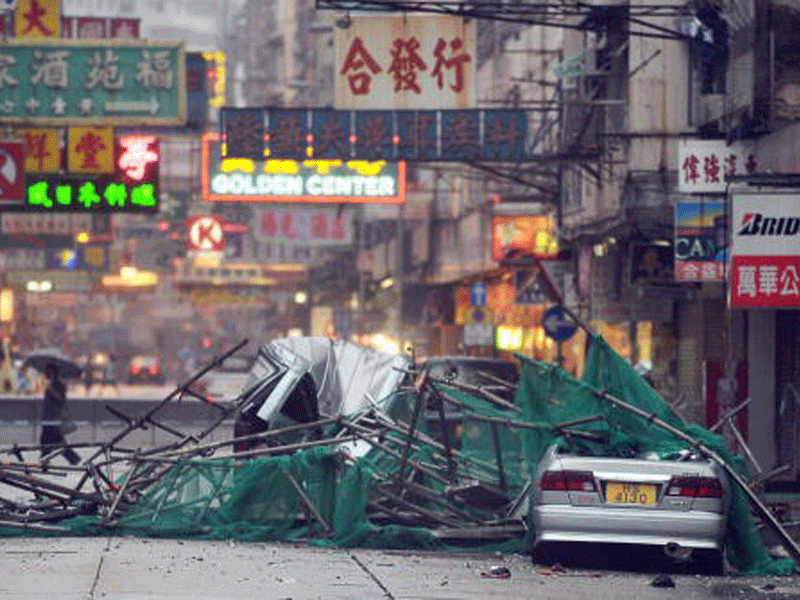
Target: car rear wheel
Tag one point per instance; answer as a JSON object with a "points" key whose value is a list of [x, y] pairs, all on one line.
{"points": [[711, 562]]}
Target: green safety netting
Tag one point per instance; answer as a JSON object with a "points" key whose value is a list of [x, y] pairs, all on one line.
{"points": [[258, 499]]}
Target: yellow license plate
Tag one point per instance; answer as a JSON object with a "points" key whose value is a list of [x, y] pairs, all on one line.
{"points": [[630, 493]]}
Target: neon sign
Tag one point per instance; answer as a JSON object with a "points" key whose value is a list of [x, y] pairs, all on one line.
{"points": [[138, 155], [90, 195], [293, 181]]}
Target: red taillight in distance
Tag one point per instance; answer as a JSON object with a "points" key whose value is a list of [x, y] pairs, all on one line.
{"points": [[568, 481], [153, 369], [135, 369], [694, 487]]}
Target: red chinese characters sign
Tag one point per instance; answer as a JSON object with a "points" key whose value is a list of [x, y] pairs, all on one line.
{"points": [[415, 62], [765, 250], [704, 164], [307, 227]]}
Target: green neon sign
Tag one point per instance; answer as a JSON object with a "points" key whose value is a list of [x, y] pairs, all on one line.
{"points": [[90, 195]]}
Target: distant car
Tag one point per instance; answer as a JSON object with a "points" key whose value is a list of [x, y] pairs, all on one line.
{"points": [[475, 371], [145, 369], [226, 381], [680, 505]]}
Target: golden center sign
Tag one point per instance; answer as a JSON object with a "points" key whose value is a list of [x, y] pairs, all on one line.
{"points": [[317, 181]]}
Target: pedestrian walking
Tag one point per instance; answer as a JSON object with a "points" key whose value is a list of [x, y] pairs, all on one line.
{"points": [[53, 416]]}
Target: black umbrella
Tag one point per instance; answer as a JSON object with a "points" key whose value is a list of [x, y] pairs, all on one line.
{"points": [[39, 360]]}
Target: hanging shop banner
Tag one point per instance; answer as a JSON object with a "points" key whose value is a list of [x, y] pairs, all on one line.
{"points": [[37, 19], [92, 82], [90, 150], [43, 149], [289, 181], [429, 135], [517, 236], [704, 164], [765, 250], [701, 244], [405, 61]]}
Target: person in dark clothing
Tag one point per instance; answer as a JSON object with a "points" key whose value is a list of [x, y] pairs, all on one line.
{"points": [[55, 400]]}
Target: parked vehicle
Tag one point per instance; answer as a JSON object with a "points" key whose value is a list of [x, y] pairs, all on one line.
{"points": [[680, 505], [226, 381], [145, 369]]}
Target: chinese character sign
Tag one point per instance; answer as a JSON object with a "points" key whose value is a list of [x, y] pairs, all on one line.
{"points": [[765, 250], [90, 150], [701, 241], [403, 62], [138, 158], [704, 164], [42, 149], [307, 227], [37, 19], [86, 195], [93, 83], [424, 135]]}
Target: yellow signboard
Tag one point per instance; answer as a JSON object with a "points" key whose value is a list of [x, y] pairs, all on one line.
{"points": [[42, 150], [37, 19], [90, 150]]}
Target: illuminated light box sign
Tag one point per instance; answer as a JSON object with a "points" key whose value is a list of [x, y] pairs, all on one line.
{"points": [[516, 236], [62, 194], [318, 181]]}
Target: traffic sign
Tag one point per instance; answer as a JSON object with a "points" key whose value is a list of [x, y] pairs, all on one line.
{"points": [[93, 82], [205, 233], [12, 172], [533, 287], [477, 294], [557, 324]]}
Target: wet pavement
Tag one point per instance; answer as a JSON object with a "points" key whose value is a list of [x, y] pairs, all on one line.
{"points": [[134, 569]]}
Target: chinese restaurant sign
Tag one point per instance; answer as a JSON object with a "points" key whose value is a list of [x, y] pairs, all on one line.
{"points": [[424, 135], [704, 164], [318, 181], [765, 250], [519, 236], [701, 245], [98, 82], [405, 62]]}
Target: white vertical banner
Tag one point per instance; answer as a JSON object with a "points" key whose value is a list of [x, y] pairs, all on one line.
{"points": [[405, 62]]}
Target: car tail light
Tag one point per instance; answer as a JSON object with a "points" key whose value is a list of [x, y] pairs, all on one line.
{"points": [[153, 369], [135, 369], [695, 487], [574, 481]]}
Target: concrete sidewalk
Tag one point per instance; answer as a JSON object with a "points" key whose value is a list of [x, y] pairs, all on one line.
{"points": [[137, 569]]}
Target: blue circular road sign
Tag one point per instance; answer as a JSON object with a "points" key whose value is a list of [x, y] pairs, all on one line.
{"points": [[558, 325]]}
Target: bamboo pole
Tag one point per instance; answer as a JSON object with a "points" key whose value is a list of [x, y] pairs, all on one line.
{"points": [[177, 391], [301, 493]]}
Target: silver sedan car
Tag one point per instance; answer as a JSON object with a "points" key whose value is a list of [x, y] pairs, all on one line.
{"points": [[680, 505]]}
